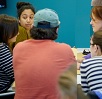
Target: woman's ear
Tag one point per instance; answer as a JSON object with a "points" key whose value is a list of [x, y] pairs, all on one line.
{"points": [[96, 47], [98, 50], [19, 21]]}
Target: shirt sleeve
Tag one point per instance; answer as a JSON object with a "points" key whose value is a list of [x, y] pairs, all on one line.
{"points": [[6, 61], [87, 56], [84, 83]]}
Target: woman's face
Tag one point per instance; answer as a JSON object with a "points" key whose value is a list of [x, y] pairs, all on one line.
{"points": [[27, 19], [96, 24]]}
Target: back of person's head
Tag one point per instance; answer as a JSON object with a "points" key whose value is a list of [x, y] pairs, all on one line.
{"points": [[97, 39], [96, 3], [68, 83], [97, 12], [21, 6], [8, 28], [46, 23]]}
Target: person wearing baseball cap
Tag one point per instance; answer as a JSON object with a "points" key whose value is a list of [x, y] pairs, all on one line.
{"points": [[39, 61], [47, 15]]}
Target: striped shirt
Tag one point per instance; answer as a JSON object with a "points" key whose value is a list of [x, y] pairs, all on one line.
{"points": [[91, 74], [6, 68]]}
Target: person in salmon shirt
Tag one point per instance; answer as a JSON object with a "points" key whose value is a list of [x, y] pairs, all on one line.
{"points": [[39, 61]]}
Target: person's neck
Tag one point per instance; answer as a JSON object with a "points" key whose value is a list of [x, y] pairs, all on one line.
{"points": [[28, 31]]}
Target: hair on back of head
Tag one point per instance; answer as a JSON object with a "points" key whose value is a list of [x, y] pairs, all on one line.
{"points": [[97, 12], [20, 4], [67, 82], [8, 28], [96, 3], [97, 39]]}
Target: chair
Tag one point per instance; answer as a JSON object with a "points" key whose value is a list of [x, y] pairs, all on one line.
{"points": [[92, 95], [8, 95]]}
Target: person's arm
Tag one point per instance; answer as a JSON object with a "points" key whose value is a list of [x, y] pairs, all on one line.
{"points": [[83, 73], [79, 61], [87, 56], [6, 61], [6, 68]]}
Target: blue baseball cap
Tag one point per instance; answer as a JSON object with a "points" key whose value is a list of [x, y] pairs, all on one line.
{"points": [[46, 15]]}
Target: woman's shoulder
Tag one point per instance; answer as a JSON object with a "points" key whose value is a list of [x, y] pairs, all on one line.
{"points": [[96, 58], [4, 49], [92, 61], [22, 35], [22, 29], [21, 45], [63, 45], [3, 45]]}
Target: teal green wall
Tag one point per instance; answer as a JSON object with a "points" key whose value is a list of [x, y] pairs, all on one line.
{"points": [[82, 28], [74, 16]]}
